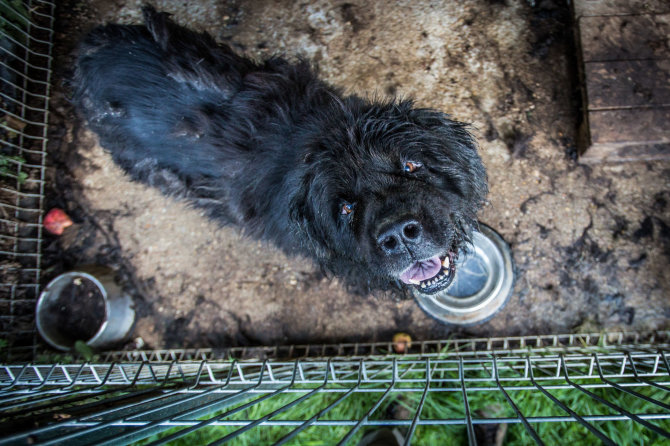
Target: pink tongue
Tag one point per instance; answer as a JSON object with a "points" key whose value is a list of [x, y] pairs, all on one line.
{"points": [[422, 270]]}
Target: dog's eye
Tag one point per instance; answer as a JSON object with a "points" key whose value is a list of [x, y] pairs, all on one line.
{"points": [[347, 208], [412, 166]]}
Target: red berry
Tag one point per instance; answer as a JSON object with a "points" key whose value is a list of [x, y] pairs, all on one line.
{"points": [[56, 221]]}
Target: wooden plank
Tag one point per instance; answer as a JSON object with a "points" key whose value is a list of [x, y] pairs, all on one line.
{"points": [[622, 152], [643, 126], [625, 72], [625, 84], [634, 37], [612, 7]]}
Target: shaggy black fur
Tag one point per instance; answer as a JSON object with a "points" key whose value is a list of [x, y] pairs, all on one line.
{"points": [[377, 191]]}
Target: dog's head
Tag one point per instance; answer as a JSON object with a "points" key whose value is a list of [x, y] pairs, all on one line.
{"points": [[394, 191]]}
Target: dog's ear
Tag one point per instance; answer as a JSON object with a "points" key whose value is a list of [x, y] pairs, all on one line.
{"points": [[438, 121], [454, 149], [439, 125], [305, 212]]}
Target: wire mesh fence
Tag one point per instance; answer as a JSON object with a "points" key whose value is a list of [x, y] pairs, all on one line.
{"points": [[26, 32], [614, 393]]}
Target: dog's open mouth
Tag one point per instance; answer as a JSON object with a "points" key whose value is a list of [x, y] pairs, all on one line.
{"points": [[431, 275]]}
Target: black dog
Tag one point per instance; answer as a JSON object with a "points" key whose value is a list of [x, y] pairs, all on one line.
{"points": [[378, 192]]}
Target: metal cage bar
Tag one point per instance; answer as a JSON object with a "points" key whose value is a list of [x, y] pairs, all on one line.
{"points": [[556, 343], [26, 36], [608, 393]]}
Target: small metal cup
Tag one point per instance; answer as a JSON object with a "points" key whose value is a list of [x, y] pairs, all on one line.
{"points": [[119, 313]]}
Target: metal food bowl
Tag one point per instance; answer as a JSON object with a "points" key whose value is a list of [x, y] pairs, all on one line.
{"points": [[482, 284], [110, 327]]}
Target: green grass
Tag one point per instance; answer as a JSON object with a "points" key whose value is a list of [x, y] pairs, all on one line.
{"points": [[8, 169], [439, 405], [14, 20]]}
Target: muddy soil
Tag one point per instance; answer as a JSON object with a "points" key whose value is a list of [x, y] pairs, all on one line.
{"points": [[591, 243], [79, 310]]}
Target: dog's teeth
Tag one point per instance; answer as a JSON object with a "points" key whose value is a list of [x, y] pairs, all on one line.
{"points": [[423, 285], [414, 281], [446, 262]]}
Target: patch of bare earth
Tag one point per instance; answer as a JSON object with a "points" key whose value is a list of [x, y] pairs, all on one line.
{"points": [[591, 244]]}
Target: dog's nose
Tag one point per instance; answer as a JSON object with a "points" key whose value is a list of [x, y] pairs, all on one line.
{"points": [[399, 235]]}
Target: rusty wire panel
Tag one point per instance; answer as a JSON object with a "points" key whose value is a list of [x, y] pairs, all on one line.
{"points": [[26, 36]]}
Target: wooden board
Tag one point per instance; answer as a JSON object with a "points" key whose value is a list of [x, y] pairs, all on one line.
{"points": [[627, 84], [625, 70], [584, 8]]}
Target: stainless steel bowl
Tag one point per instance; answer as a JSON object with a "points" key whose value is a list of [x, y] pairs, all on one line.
{"points": [[483, 282], [115, 324]]}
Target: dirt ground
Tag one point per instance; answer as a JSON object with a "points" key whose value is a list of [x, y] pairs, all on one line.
{"points": [[591, 243]]}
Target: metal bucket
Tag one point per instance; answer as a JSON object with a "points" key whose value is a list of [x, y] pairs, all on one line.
{"points": [[85, 305]]}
